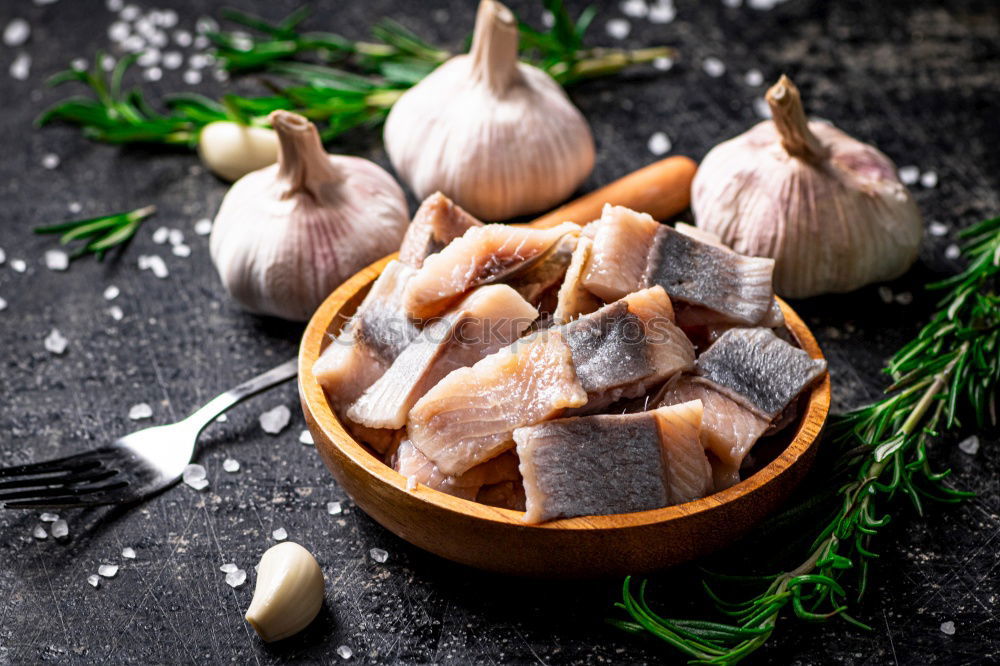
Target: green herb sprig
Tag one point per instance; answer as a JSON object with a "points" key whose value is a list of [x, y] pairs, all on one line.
{"points": [[949, 370], [98, 235]]}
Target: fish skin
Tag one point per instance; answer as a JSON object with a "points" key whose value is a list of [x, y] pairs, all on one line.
{"points": [[437, 222], [759, 369], [487, 320], [412, 464], [688, 472], [734, 286], [574, 299], [622, 239], [482, 255], [527, 382]]}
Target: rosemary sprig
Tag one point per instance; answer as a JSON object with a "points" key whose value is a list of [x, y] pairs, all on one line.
{"points": [[950, 369], [99, 234]]}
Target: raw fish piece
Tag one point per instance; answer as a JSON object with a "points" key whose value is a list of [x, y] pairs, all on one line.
{"points": [[483, 255], [728, 429], [612, 463], [546, 273], [622, 239], [412, 464], [506, 495], [469, 416], [370, 341], [729, 284], [574, 299], [759, 369], [489, 319], [702, 235], [626, 347], [436, 223]]}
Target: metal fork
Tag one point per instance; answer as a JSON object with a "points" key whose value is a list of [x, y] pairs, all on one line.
{"points": [[131, 468]]}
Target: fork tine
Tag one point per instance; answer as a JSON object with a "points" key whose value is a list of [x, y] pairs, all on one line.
{"points": [[62, 479], [62, 489], [78, 462], [100, 496]]}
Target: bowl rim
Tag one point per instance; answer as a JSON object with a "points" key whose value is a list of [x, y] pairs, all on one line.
{"points": [[314, 400]]}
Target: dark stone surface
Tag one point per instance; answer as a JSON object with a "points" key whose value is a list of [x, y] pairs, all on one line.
{"points": [[920, 79]]}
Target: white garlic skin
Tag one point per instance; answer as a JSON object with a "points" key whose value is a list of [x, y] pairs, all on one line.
{"points": [[832, 225], [231, 150], [287, 235], [288, 593], [499, 137]]}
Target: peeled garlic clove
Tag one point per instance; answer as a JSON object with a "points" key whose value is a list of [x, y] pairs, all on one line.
{"points": [[288, 593], [285, 236], [231, 150], [829, 209], [498, 137]]}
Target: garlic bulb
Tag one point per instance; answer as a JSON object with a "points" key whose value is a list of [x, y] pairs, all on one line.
{"points": [[231, 150], [288, 593], [498, 137], [829, 209], [286, 235]]}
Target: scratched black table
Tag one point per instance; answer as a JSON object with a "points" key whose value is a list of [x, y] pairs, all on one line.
{"points": [[920, 79]]}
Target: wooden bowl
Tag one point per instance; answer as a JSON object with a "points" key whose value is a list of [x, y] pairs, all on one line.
{"points": [[495, 539]]}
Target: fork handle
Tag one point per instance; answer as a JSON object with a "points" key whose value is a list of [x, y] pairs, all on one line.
{"points": [[217, 405]]}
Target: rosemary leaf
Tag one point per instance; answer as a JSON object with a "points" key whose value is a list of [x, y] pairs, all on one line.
{"points": [[101, 233]]}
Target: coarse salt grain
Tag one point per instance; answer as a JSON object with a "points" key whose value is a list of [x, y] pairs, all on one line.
{"points": [[206, 24], [228, 567], [948, 628], [49, 517], [929, 179], [969, 445], [16, 32], [129, 13], [74, 207], [279, 534], [50, 161], [153, 74], [275, 420], [904, 298], [94, 580], [761, 108], [231, 465], [203, 227], [55, 342], [3, 304], [19, 265], [172, 59], [753, 77], [236, 578], [111, 293], [306, 438], [39, 532], [134, 44], [182, 38], [140, 411], [411, 483], [908, 175], [635, 8], [56, 260], [221, 418], [161, 235], [659, 143], [107, 570], [618, 28], [220, 75], [732, 3], [663, 64], [107, 63], [548, 19], [149, 58], [663, 11], [885, 293], [20, 69], [334, 508], [345, 652], [951, 252], [157, 266], [128, 553], [181, 250], [937, 228], [118, 31], [60, 529], [116, 313], [192, 77], [440, 15], [3, 256], [195, 476], [114, 5], [175, 236], [713, 67], [379, 555]]}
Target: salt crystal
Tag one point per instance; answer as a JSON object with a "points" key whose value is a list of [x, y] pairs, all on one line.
{"points": [[140, 411], [182, 38], [929, 179], [950, 252], [116, 313], [618, 28], [203, 227], [713, 67], [56, 260], [231, 465], [118, 31], [20, 69], [334, 508], [345, 652], [732, 3], [172, 59], [908, 175], [55, 342], [3, 304], [79, 64], [108, 570], [885, 294], [175, 236], [181, 250], [662, 12], [129, 13], [937, 229], [221, 418], [548, 19], [948, 628], [411, 483], [206, 24], [306, 438], [19, 265], [904, 298], [161, 235], [279, 534], [220, 75], [440, 15], [192, 77], [114, 5], [50, 161], [168, 18], [153, 74], [39, 532], [236, 578], [134, 44], [201, 42], [659, 143], [49, 517], [195, 476], [634, 8], [753, 78], [229, 567], [199, 61], [16, 32], [275, 420], [94, 580], [762, 108], [378, 555], [3, 256], [762, 5], [149, 58], [969, 445], [111, 293], [157, 266], [663, 64], [74, 207], [107, 63], [60, 529], [128, 553]]}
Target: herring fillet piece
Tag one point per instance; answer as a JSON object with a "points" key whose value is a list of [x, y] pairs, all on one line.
{"points": [[545, 274], [688, 472], [412, 464], [505, 495], [469, 416], [622, 239], [756, 367], [729, 284], [436, 223], [574, 299], [482, 255], [487, 320]]}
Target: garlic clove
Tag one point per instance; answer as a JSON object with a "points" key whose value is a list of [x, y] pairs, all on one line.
{"points": [[231, 150], [288, 593], [828, 208], [497, 136]]}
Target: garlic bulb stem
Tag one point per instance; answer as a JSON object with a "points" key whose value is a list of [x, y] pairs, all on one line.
{"points": [[494, 46], [302, 161], [793, 126]]}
